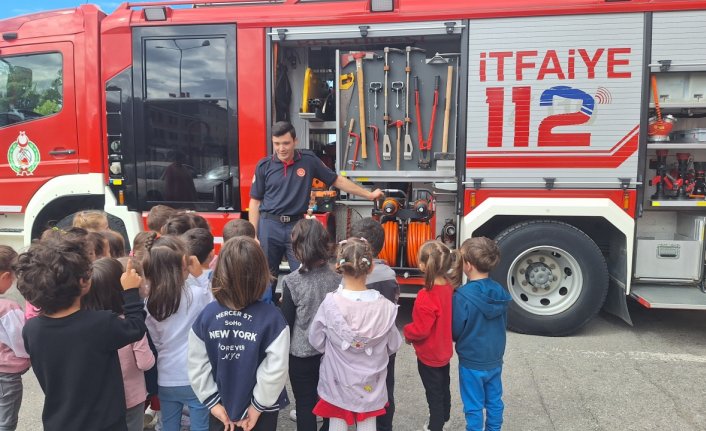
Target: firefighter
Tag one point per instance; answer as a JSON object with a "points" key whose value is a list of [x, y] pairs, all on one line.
{"points": [[280, 193]]}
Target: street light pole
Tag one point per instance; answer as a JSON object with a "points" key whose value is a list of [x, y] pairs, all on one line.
{"points": [[181, 55]]}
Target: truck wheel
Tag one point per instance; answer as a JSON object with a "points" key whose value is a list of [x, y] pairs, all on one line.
{"points": [[556, 275]]}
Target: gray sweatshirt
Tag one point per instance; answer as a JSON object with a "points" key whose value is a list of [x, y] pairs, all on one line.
{"points": [[302, 293]]}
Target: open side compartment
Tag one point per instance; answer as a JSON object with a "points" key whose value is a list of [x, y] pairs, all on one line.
{"points": [[335, 94]]}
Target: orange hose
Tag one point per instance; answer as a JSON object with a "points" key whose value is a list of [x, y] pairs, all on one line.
{"points": [[390, 247], [417, 234], [412, 246]]}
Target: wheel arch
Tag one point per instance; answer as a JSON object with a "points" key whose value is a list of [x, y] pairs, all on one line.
{"points": [[59, 197], [600, 219]]}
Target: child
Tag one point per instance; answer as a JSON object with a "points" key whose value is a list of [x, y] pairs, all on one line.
{"points": [[384, 280], [73, 234], [99, 243], [197, 220], [158, 216], [478, 327], [116, 243], [14, 360], [92, 221], [302, 292], [172, 307], [199, 243], [355, 330], [74, 352], [177, 224], [135, 358], [238, 227], [143, 241], [430, 330], [238, 345]]}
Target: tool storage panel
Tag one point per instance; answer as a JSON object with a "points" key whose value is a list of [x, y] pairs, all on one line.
{"points": [[407, 96], [316, 72]]}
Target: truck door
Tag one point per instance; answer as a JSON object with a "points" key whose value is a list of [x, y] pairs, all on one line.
{"points": [[38, 138], [185, 149]]}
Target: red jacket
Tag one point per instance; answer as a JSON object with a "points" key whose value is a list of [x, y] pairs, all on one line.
{"points": [[430, 330]]}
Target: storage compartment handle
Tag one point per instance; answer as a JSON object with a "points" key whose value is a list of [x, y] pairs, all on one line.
{"points": [[668, 251]]}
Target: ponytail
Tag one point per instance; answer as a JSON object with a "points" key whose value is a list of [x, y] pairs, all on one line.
{"points": [[440, 261], [149, 241], [355, 257], [455, 273]]}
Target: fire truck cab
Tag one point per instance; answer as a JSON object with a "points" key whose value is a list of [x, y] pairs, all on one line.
{"points": [[571, 132]]}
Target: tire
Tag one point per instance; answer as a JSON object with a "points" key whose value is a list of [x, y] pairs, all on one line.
{"points": [[556, 275]]}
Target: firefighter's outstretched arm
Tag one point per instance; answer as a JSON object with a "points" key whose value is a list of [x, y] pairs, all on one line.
{"points": [[349, 186]]}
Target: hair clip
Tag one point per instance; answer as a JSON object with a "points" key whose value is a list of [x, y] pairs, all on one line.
{"points": [[342, 261], [363, 239], [365, 260], [342, 242]]}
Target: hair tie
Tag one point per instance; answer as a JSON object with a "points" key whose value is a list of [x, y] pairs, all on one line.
{"points": [[363, 239]]}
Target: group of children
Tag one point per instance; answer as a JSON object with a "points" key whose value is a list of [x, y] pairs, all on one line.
{"points": [[219, 344]]}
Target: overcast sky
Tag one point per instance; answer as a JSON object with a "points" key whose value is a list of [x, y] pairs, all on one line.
{"points": [[14, 8]]}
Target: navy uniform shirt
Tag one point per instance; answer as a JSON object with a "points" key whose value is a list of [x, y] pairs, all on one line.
{"points": [[285, 189]]}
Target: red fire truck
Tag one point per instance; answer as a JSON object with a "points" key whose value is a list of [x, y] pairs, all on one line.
{"points": [[571, 131]]}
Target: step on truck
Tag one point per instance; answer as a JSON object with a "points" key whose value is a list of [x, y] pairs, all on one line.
{"points": [[573, 132]]}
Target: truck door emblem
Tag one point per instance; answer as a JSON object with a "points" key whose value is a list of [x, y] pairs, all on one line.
{"points": [[23, 156]]}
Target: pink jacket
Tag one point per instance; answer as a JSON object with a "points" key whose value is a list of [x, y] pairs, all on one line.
{"points": [[13, 357], [135, 359]]}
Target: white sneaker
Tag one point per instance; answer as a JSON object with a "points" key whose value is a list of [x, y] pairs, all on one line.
{"points": [[293, 416], [151, 418], [426, 426]]}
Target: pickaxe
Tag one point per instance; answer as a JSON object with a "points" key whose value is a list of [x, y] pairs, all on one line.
{"points": [[358, 57]]}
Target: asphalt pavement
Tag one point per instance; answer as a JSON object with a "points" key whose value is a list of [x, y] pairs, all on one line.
{"points": [[609, 376]]}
